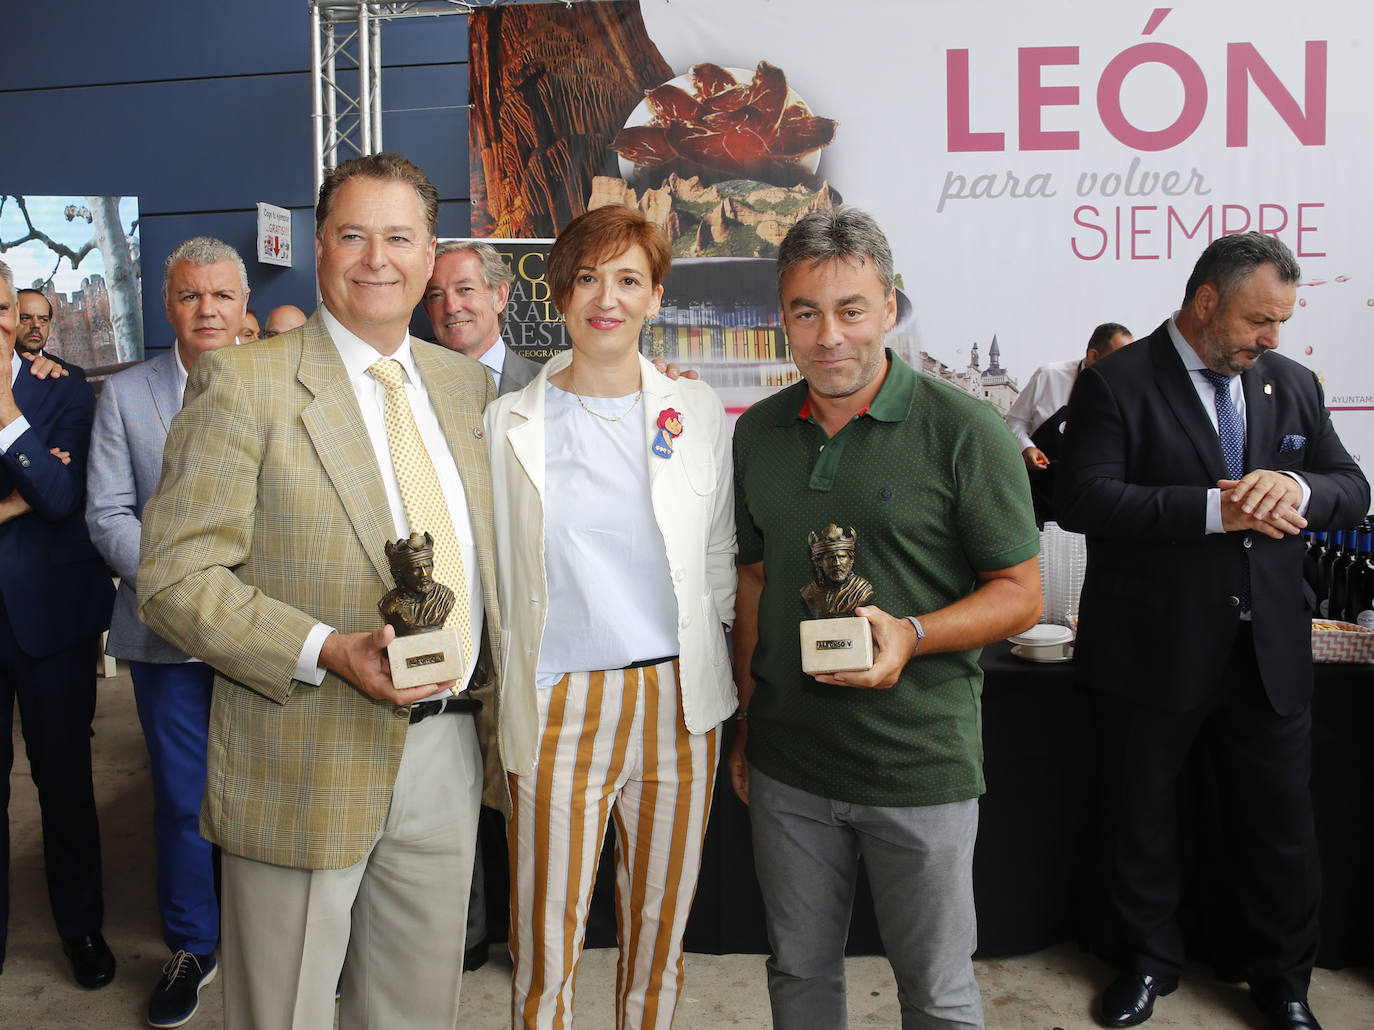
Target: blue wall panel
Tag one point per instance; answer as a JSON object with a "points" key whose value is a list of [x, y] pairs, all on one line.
{"points": [[198, 145], [92, 42], [271, 285], [201, 110]]}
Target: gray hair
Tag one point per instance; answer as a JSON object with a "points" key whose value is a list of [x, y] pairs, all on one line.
{"points": [[495, 272], [203, 250], [7, 276], [1229, 260], [844, 233]]}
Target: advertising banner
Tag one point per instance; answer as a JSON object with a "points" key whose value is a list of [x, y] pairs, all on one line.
{"points": [[1036, 175]]}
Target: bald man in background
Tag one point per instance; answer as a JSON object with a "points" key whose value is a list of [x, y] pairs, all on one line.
{"points": [[282, 319]]}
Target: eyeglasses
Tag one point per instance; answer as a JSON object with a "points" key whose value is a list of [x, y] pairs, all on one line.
{"points": [[25, 318]]}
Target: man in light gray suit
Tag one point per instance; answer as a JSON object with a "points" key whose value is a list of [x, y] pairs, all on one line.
{"points": [[465, 300], [205, 288]]}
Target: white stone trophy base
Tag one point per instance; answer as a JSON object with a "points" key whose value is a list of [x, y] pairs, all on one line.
{"points": [[434, 656], [836, 645]]}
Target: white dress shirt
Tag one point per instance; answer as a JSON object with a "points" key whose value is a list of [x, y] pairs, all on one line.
{"points": [[357, 357], [15, 429], [1207, 395], [1046, 392], [494, 357]]}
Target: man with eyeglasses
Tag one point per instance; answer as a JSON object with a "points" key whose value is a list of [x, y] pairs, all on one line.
{"points": [[35, 325]]}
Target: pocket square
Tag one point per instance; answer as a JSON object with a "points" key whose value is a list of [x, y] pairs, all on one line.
{"points": [[1292, 442]]}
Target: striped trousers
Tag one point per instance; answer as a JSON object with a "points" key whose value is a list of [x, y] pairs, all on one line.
{"points": [[612, 745]]}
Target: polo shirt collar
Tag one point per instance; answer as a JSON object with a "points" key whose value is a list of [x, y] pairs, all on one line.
{"points": [[892, 403]]}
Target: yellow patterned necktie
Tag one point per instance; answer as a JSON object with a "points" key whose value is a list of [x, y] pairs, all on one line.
{"points": [[421, 496]]}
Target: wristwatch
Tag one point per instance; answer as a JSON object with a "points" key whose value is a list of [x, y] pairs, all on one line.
{"points": [[920, 633]]}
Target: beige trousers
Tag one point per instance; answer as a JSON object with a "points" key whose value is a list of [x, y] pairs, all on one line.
{"points": [[392, 924]]}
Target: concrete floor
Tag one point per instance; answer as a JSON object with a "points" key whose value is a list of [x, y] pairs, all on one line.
{"points": [[1055, 988]]}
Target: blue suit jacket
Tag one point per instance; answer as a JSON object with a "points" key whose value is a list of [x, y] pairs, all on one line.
{"points": [[57, 591], [132, 417]]}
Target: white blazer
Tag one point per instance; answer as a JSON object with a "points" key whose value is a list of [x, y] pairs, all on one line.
{"points": [[693, 500]]}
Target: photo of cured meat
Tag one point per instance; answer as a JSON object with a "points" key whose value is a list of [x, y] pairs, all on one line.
{"points": [[722, 124]]}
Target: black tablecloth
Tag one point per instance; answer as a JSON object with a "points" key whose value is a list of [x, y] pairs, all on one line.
{"points": [[1035, 864]]}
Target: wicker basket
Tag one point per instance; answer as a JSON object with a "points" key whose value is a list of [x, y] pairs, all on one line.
{"points": [[1335, 642]]}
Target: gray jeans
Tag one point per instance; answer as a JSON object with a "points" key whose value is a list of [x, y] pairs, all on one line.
{"points": [[920, 866]]}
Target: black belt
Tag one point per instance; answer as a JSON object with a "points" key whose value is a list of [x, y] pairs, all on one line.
{"points": [[438, 706], [650, 661]]}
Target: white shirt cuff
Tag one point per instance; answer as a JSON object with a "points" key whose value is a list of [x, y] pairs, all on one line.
{"points": [[308, 664], [1214, 510], [13, 432]]}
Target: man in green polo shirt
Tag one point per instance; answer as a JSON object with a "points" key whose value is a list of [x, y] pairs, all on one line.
{"points": [[885, 763]]}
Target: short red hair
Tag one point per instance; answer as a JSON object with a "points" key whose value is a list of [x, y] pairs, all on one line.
{"points": [[592, 238]]}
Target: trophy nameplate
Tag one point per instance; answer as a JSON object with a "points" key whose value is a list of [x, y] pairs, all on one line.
{"points": [[434, 656], [424, 651], [835, 639]]}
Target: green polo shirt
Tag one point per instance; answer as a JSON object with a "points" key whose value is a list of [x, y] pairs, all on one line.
{"points": [[933, 483]]}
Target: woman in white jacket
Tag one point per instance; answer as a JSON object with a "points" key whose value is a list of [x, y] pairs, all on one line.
{"points": [[616, 543]]}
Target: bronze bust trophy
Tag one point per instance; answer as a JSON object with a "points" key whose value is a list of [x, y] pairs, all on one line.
{"points": [[423, 651], [835, 639]]}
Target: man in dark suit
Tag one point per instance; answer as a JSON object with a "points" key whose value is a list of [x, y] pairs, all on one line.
{"points": [[1191, 461], [35, 326], [55, 597], [465, 300]]}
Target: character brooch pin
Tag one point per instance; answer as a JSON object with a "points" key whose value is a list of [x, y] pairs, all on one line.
{"points": [[669, 426]]}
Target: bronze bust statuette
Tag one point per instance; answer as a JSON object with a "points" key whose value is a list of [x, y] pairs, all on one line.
{"points": [[423, 651], [417, 602], [834, 639]]}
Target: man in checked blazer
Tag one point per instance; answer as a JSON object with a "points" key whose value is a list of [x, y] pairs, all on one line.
{"points": [[346, 807]]}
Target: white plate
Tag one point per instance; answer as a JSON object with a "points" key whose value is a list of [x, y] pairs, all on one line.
{"points": [[1016, 650]]}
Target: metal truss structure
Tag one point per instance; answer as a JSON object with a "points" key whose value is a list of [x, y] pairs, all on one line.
{"points": [[346, 71]]}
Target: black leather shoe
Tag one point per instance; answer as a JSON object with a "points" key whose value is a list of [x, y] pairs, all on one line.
{"points": [[1130, 999], [1289, 1015], [92, 964]]}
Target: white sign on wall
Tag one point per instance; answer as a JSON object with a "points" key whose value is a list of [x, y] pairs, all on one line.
{"points": [[274, 235]]}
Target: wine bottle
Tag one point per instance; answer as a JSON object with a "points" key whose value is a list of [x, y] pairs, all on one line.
{"points": [[1311, 559], [1324, 563], [1361, 599], [1340, 582]]}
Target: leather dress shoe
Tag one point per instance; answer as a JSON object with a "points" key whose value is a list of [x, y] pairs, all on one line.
{"points": [[1130, 999], [92, 963], [1289, 1015]]}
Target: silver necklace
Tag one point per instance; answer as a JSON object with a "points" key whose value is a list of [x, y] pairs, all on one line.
{"points": [[605, 418]]}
